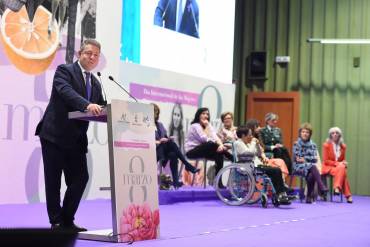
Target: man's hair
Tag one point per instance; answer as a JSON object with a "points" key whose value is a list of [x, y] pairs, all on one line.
{"points": [[89, 42]]}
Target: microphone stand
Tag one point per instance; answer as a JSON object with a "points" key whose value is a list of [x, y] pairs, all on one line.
{"points": [[112, 79], [101, 83]]}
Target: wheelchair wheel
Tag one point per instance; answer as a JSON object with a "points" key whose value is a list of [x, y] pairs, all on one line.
{"points": [[264, 200], [239, 184], [275, 201], [256, 196]]}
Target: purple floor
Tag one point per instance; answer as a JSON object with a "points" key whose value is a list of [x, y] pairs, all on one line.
{"points": [[186, 194], [211, 223]]}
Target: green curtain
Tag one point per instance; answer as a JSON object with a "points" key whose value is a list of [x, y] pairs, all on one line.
{"points": [[333, 91]]}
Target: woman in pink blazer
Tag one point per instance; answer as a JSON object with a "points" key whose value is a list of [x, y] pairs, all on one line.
{"points": [[335, 164]]}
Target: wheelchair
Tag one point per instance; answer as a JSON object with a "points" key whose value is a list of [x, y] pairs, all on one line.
{"points": [[245, 184]]}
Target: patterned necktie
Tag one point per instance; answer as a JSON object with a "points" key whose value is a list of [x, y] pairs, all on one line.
{"points": [[179, 15], [88, 84]]}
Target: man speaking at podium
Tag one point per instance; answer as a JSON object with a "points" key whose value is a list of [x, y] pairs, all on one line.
{"points": [[64, 141]]}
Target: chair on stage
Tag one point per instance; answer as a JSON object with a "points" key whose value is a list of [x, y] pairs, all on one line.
{"points": [[199, 174], [165, 180], [162, 166], [324, 178], [302, 185]]}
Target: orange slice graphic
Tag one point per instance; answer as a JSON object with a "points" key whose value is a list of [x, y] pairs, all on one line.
{"points": [[27, 44]]}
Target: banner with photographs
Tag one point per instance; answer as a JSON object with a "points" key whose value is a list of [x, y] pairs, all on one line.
{"points": [[37, 36]]}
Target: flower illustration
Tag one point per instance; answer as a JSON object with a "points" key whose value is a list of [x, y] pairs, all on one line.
{"points": [[138, 222]]}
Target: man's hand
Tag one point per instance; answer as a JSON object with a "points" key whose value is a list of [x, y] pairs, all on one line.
{"points": [[94, 109], [279, 145]]}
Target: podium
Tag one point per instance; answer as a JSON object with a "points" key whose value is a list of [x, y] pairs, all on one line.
{"points": [[133, 172]]}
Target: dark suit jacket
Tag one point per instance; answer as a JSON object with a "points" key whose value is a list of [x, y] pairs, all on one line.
{"points": [[270, 138], [160, 132], [68, 94], [167, 10]]}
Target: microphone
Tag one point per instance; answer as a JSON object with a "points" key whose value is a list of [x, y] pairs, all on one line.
{"points": [[111, 78], [101, 83]]}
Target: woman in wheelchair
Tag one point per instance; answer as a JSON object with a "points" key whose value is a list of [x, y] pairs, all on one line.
{"points": [[254, 124], [305, 157], [247, 145]]}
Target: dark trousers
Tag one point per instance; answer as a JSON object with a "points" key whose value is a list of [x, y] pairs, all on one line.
{"points": [[208, 150], [276, 177], [72, 162], [283, 154], [170, 151], [313, 177]]}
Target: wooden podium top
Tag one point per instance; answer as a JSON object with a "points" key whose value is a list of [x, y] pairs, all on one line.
{"points": [[88, 116]]}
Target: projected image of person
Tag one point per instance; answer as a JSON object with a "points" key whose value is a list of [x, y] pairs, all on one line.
{"points": [[2, 8], [175, 129], [88, 19], [178, 15], [167, 150]]}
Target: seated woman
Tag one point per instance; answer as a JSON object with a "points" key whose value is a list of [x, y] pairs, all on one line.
{"points": [[305, 158], [272, 140], [335, 164], [254, 125], [168, 150], [203, 142], [227, 132], [246, 145]]}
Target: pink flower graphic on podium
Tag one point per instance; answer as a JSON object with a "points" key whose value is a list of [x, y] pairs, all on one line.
{"points": [[138, 222]]}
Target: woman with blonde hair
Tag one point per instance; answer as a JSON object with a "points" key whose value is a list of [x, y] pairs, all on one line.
{"points": [[227, 132], [335, 164], [305, 160]]}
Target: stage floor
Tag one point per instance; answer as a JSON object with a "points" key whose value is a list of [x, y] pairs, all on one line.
{"points": [[211, 223]]}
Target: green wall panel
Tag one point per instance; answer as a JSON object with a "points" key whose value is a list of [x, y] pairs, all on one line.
{"points": [[333, 91]]}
